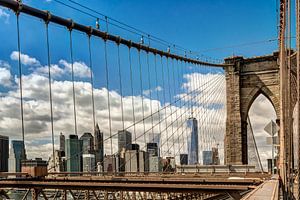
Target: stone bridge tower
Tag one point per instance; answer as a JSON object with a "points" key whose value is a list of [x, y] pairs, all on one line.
{"points": [[245, 80]]}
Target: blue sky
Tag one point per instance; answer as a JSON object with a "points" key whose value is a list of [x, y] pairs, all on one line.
{"points": [[195, 25]]}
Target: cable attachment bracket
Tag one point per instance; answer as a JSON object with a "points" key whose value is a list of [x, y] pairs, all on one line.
{"points": [[105, 38], [19, 8], [129, 44], [71, 26], [90, 31], [118, 40], [48, 18]]}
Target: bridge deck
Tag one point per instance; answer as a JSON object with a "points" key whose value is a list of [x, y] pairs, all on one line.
{"points": [[267, 190]]}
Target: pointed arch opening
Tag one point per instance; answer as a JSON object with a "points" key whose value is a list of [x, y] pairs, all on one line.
{"points": [[261, 111]]}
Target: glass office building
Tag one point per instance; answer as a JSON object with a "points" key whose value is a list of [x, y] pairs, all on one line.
{"points": [[193, 145]]}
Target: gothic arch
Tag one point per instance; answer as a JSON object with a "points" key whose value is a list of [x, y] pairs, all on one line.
{"points": [[254, 94]]}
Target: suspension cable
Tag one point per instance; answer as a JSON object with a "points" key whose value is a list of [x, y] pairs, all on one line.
{"points": [[142, 96], [158, 102], [92, 82], [169, 88], [50, 92], [150, 94], [164, 99], [121, 88], [73, 82], [108, 96], [179, 84], [20, 84], [132, 93]]}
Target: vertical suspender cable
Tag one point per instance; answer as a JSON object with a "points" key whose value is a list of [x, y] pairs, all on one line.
{"points": [[92, 82], [142, 96], [73, 89], [50, 93], [150, 96], [186, 100], [108, 96], [170, 99], [106, 23], [164, 96], [20, 85], [150, 91], [179, 80], [176, 105], [132, 93], [158, 104], [132, 101], [73, 82], [121, 87]]}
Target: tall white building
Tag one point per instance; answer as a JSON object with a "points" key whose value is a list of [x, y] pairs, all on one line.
{"points": [[193, 145]]}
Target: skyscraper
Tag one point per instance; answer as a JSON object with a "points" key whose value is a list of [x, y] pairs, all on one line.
{"points": [[73, 153], [99, 151], [88, 153], [193, 147], [16, 155], [124, 140], [4, 149], [62, 140], [87, 143]]}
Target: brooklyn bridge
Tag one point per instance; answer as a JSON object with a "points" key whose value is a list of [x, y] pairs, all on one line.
{"points": [[88, 112]]}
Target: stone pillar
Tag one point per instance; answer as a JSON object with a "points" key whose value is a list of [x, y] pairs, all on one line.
{"points": [[233, 143], [244, 142]]}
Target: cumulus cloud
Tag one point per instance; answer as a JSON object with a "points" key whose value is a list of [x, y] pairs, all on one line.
{"points": [[25, 59], [5, 74], [81, 70], [55, 70], [5, 77], [157, 89], [4, 15]]}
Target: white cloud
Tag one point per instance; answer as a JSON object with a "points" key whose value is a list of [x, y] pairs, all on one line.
{"points": [[81, 70], [5, 74], [25, 59], [5, 77], [157, 89], [4, 15], [55, 71]]}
